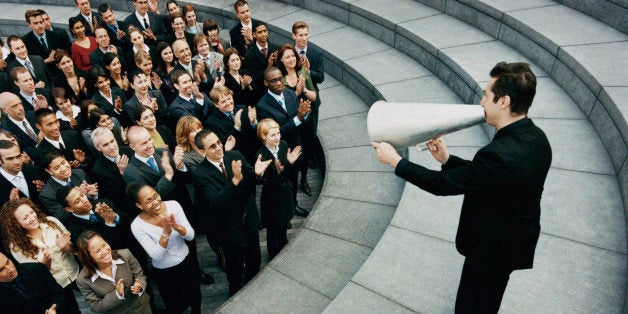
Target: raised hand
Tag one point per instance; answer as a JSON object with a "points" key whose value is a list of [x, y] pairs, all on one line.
{"points": [[90, 189], [63, 241], [79, 155], [81, 82], [386, 153], [252, 115], [106, 213], [238, 119], [438, 149], [47, 260], [156, 80], [278, 166], [26, 159], [305, 62], [247, 34], [51, 310], [120, 287], [230, 143], [246, 81], [293, 155], [123, 162], [178, 157], [14, 194], [148, 34], [136, 288], [260, 166], [236, 169], [40, 102], [39, 184], [165, 164], [304, 109]]}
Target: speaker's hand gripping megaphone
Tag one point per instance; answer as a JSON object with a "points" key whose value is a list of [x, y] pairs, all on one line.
{"points": [[407, 124]]}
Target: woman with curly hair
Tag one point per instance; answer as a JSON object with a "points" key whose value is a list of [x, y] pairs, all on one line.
{"points": [[33, 237]]}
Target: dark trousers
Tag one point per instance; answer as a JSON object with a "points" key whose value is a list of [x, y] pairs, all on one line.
{"points": [[70, 300], [243, 260], [178, 286], [276, 239], [481, 287]]}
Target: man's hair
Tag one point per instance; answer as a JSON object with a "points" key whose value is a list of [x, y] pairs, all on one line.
{"points": [[218, 91], [270, 69], [31, 13], [11, 39], [62, 194], [238, 4], [6, 144], [198, 38], [17, 71], [298, 25], [98, 132], [42, 12], [200, 136], [8, 134], [49, 156], [517, 81], [41, 113], [140, 56], [257, 24], [209, 25], [176, 74], [104, 7]]}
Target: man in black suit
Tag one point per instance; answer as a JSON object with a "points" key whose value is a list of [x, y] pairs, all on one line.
{"points": [[61, 33], [17, 179], [33, 63], [499, 222], [197, 70], [44, 43], [224, 185], [260, 56], [282, 105], [242, 34], [19, 122], [90, 19], [68, 142], [62, 174], [190, 100], [32, 98], [108, 170], [233, 120], [29, 288], [104, 46], [116, 29], [148, 22]]}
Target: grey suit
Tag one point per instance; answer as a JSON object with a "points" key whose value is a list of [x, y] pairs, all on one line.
{"points": [[101, 293]]}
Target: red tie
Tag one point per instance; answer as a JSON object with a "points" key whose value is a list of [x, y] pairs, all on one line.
{"points": [[264, 52]]}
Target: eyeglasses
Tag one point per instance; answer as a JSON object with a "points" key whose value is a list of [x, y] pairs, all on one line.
{"points": [[275, 80]]}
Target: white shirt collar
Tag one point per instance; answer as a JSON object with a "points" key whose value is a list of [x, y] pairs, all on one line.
{"points": [[9, 176], [260, 47], [64, 183], [114, 268], [216, 164], [277, 97], [86, 217], [55, 143]]}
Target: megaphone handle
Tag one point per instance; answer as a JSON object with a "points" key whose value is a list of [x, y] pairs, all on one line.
{"points": [[421, 146]]}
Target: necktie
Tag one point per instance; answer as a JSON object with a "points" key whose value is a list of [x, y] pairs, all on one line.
{"points": [[43, 43], [29, 131], [115, 29], [232, 116], [61, 146], [146, 25], [69, 183], [153, 164], [93, 23], [264, 50], [282, 105], [224, 171], [302, 52], [20, 183], [93, 217], [29, 67]]}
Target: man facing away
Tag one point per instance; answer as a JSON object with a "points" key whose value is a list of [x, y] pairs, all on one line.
{"points": [[499, 221]]}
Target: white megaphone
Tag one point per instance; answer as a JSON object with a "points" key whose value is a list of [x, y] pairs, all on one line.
{"points": [[407, 124]]}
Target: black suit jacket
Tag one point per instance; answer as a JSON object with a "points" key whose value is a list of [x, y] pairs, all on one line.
{"points": [[276, 201], [39, 91], [117, 236], [54, 40], [204, 87], [42, 289], [237, 40], [105, 105], [61, 81], [95, 57], [48, 194], [220, 205], [41, 71], [181, 107], [499, 223], [268, 107], [162, 114], [31, 173], [72, 140], [317, 71], [95, 16], [113, 36], [111, 184], [156, 25], [26, 142], [255, 64], [223, 126]]}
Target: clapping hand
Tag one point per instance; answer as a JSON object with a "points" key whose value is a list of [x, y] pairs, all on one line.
{"points": [[199, 72], [156, 80], [89, 189], [305, 62], [106, 213], [278, 166], [304, 109], [14, 194], [236, 169], [238, 119], [247, 34], [293, 155], [123, 162], [63, 241], [79, 155], [165, 164], [252, 115], [120, 287], [260, 166], [47, 260], [39, 184], [246, 81], [52, 309], [40, 102], [136, 288], [178, 157], [230, 143]]}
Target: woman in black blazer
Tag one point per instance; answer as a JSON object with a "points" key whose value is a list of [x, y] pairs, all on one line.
{"points": [[72, 79], [239, 83], [277, 203]]}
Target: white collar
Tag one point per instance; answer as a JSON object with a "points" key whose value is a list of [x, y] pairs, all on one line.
{"points": [[9, 176], [114, 268]]}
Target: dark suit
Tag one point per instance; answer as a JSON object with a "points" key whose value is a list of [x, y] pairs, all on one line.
{"points": [[108, 107], [41, 71], [204, 87], [317, 73], [30, 173], [61, 81], [246, 138], [255, 64], [26, 142], [28, 106], [101, 293], [111, 184], [499, 222], [268, 107], [72, 140], [241, 96], [161, 114], [229, 214], [156, 25], [237, 40], [181, 107], [113, 36], [95, 18], [54, 41], [189, 38], [95, 57], [41, 288], [48, 194]]}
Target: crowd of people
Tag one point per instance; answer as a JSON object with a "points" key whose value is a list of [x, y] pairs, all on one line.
{"points": [[118, 146]]}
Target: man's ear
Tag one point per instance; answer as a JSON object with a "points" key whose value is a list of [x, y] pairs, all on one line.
{"points": [[38, 126], [68, 209], [505, 102]]}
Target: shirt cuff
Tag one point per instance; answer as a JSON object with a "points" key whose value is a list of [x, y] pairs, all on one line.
{"points": [[119, 297], [296, 120]]}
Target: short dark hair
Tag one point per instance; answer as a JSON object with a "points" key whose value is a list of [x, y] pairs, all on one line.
{"points": [[11, 39], [238, 4], [62, 194], [104, 7], [298, 25], [31, 13], [17, 70], [41, 113], [176, 74], [517, 81], [49, 156], [133, 189], [6, 144], [137, 112], [72, 21], [200, 136], [257, 24], [209, 25]]}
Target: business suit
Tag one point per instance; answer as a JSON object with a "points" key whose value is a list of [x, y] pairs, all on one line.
{"points": [[96, 56], [255, 64], [61, 81], [181, 107], [248, 97], [276, 202], [109, 108], [246, 138], [156, 25], [96, 20], [111, 184], [268, 107], [499, 222], [230, 215], [205, 86], [48, 194], [41, 288], [39, 66], [113, 36], [54, 41], [31, 173], [161, 114], [71, 140], [210, 63], [26, 142], [317, 73], [101, 293], [189, 39], [237, 40], [28, 106]]}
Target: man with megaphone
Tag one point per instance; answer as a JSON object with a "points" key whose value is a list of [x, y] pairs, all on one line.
{"points": [[502, 186]]}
